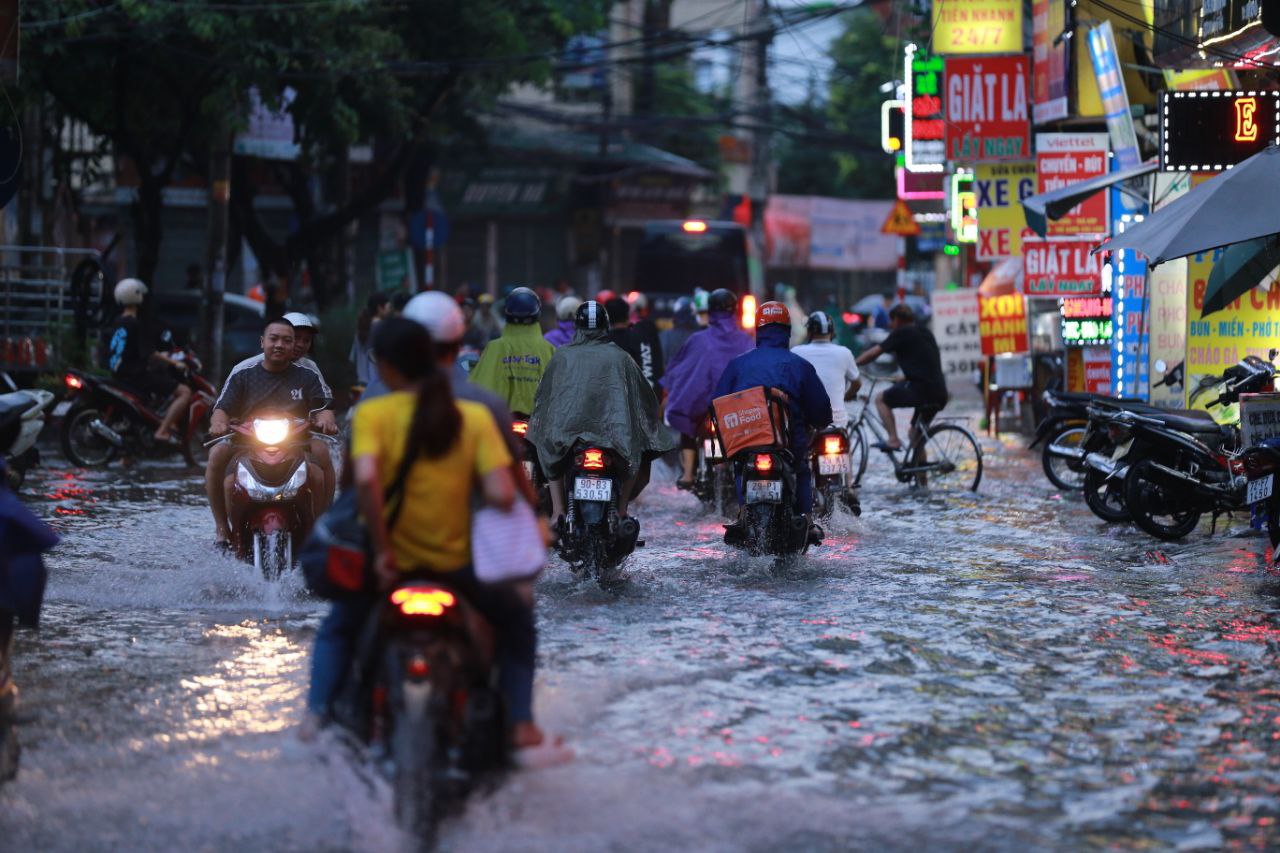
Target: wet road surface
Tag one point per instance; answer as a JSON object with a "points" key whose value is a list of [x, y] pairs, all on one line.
{"points": [[999, 671]]}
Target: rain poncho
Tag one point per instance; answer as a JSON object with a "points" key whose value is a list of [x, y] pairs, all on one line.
{"points": [[512, 366], [694, 372], [23, 538], [561, 334], [593, 392], [683, 324]]}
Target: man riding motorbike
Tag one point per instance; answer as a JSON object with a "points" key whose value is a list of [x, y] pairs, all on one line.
{"points": [[772, 365], [566, 308], [693, 373], [512, 366], [273, 384], [834, 363], [645, 340], [132, 362], [594, 392], [925, 385]]}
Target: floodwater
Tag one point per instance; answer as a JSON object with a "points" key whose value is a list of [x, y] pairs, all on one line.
{"points": [[997, 671]]}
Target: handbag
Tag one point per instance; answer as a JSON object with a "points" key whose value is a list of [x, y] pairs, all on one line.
{"points": [[507, 545], [337, 557]]}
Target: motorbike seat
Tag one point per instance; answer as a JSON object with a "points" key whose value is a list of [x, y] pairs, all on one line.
{"points": [[1192, 421], [1085, 398], [14, 404]]}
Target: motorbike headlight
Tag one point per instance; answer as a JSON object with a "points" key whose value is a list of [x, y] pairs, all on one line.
{"points": [[270, 431]]}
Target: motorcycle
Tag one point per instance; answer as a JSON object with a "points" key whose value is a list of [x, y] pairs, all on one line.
{"points": [[1189, 466], [107, 419], [532, 470], [595, 540], [270, 506], [832, 482], [22, 415], [1261, 463], [712, 479]]}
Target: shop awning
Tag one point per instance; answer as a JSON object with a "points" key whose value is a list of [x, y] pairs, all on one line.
{"points": [[1056, 203]]}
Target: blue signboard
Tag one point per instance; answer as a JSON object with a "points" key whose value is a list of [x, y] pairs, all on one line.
{"points": [[1130, 306]]}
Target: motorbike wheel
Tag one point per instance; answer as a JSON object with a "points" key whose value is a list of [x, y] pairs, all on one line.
{"points": [[272, 553], [1149, 502], [1066, 474], [415, 752], [80, 444], [858, 455], [1105, 498]]}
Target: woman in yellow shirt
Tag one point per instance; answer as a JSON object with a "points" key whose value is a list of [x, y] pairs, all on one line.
{"points": [[458, 450]]}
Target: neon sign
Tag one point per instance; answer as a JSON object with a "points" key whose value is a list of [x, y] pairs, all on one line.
{"points": [[1246, 127], [1210, 131], [964, 207], [1086, 321], [924, 125]]}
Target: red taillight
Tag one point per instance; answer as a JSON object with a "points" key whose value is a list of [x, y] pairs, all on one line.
{"points": [[417, 601], [832, 445], [764, 462], [592, 458], [75, 383], [417, 667], [748, 311], [520, 427]]}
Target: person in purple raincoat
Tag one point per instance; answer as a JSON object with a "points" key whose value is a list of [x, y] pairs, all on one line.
{"points": [[691, 376], [562, 334]]}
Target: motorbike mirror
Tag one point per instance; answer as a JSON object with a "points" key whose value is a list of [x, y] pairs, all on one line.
{"points": [[1161, 365]]}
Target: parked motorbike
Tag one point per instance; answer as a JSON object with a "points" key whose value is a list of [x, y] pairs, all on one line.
{"points": [[1261, 464], [712, 478], [270, 507], [22, 415], [427, 701], [832, 479], [520, 426], [596, 540], [106, 419], [1190, 465]]}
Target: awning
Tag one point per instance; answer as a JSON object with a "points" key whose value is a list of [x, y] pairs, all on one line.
{"points": [[1056, 203]]}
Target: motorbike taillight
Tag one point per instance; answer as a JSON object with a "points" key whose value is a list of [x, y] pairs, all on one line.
{"points": [[592, 459], [520, 427], [423, 601], [1118, 432], [832, 445], [763, 462], [1237, 465], [75, 383]]}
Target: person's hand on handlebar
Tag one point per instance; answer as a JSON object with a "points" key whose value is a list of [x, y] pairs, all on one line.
{"points": [[218, 423], [326, 422]]}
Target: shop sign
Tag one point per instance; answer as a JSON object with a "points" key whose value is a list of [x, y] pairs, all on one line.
{"points": [[964, 207], [1049, 60], [1259, 418], [1129, 343], [987, 116], [1200, 79], [1167, 328], [1000, 189], [1086, 321], [977, 26], [1002, 324], [1060, 268], [1115, 100], [919, 186], [1063, 159], [955, 325], [1213, 131], [925, 126], [1097, 370]]}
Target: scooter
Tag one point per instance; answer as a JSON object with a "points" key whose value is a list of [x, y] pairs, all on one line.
{"points": [[712, 478], [596, 540], [832, 479], [270, 505], [532, 470], [22, 415]]}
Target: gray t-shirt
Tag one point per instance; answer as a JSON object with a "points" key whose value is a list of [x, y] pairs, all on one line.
{"points": [[294, 391]]}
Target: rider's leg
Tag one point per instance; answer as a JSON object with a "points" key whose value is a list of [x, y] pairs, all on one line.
{"points": [[181, 400], [556, 487], [886, 418], [688, 458], [214, 472], [624, 495], [323, 458]]}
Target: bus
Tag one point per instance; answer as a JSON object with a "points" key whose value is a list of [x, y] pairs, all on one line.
{"points": [[676, 256]]}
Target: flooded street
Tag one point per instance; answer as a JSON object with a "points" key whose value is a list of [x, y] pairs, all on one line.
{"points": [[999, 671]]}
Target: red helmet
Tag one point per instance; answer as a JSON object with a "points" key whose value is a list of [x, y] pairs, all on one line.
{"points": [[773, 312]]}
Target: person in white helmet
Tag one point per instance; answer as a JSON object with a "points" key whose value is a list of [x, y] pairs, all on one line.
{"points": [[131, 361]]}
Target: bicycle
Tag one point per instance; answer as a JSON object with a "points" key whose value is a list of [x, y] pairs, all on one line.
{"points": [[943, 456]]}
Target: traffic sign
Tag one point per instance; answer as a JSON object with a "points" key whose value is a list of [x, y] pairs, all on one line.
{"points": [[901, 222]]}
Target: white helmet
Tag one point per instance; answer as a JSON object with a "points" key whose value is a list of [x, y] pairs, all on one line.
{"points": [[300, 321], [440, 315], [567, 307], [130, 291]]}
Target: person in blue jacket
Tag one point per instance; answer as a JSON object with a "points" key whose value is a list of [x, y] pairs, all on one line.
{"points": [[773, 365]]}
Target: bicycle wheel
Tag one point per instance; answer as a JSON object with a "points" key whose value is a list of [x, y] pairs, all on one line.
{"points": [[857, 454], [952, 459]]}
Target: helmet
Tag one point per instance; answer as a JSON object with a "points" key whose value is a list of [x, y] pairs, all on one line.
{"points": [[522, 306], [604, 296], [722, 300], [130, 291], [700, 299], [772, 313], [439, 314], [819, 323], [301, 321], [567, 307], [591, 315], [639, 302]]}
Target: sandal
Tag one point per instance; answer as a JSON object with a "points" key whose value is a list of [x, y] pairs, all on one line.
{"points": [[684, 485]]}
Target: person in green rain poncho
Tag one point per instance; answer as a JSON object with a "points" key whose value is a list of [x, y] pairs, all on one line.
{"points": [[512, 366]]}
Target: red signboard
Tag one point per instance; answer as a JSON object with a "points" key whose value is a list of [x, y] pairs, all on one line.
{"points": [[1097, 370], [1063, 159], [1002, 324], [1060, 268], [987, 108]]}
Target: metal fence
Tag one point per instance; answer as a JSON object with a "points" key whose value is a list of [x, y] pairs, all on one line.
{"points": [[37, 311]]}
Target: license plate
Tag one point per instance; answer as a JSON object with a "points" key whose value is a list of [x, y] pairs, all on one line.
{"points": [[62, 408], [1260, 490], [1122, 449], [528, 470], [587, 489], [764, 491], [832, 465]]}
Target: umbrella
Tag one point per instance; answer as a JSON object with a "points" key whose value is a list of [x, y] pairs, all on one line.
{"points": [[1241, 268], [1056, 204], [1238, 205]]}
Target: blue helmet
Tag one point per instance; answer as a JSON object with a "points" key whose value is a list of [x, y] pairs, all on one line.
{"points": [[522, 306]]}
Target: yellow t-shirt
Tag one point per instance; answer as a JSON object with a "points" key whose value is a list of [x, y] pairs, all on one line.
{"points": [[434, 528]]}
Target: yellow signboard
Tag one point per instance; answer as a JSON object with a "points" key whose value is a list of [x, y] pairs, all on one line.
{"points": [[977, 26], [1000, 189]]}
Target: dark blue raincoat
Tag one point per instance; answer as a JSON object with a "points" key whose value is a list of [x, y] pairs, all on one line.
{"points": [[23, 538]]}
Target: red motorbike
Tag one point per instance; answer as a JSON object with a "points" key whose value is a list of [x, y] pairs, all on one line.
{"points": [[106, 419], [270, 505]]}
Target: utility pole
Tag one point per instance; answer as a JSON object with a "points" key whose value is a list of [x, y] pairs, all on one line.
{"points": [[215, 280], [753, 93]]}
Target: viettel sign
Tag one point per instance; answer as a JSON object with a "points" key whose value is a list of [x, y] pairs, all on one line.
{"points": [[987, 113], [1066, 268]]}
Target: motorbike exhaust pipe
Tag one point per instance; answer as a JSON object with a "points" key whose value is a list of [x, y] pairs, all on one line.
{"points": [[1062, 451], [104, 431], [628, 533], [1198, 485]]}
